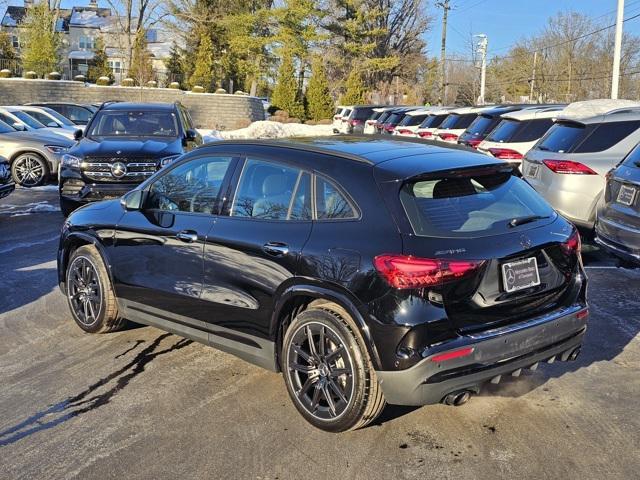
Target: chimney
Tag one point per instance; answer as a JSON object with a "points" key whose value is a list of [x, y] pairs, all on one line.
{"points": [[93, 3]]}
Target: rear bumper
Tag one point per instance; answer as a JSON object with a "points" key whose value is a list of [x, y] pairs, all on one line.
{"points": [[620, 251], [6, 189], [496, 352]]}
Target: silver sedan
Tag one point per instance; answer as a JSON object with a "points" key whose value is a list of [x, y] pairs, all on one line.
{"points": [[34, 157]]}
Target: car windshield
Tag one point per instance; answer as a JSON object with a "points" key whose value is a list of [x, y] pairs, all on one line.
{"points": [[475, 205], [433, 121], [134, 123], [27, 119], [4, 128], [60, 118]]}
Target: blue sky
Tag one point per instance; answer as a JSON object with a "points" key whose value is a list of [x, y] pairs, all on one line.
{"points": [[506, 21]]}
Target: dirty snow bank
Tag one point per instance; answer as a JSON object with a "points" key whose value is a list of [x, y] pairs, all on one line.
{"points": [[267, 129]]}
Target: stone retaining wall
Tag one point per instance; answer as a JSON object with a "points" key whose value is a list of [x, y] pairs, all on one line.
{"points": [[218, 111]]}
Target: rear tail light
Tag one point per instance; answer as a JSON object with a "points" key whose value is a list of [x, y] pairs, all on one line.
{"points": [[505, 154], [473, 143], [404, 131], [573, 245], [462, 352], [448, 137], [353, 123], [405, 272], [425, 134], [389, 128], [568, 167]]}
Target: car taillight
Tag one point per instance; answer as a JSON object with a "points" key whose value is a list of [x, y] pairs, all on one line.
{"points": [[448, 137], [573, 245], [405, 271], [404, 131], [425, 134], [505, 154], [462, 352], [389, 128], [473, 143], [568, 167], [353, 123]]}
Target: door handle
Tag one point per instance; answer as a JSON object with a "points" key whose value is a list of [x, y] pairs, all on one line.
{"points": [[276, 249], [187, 236]]}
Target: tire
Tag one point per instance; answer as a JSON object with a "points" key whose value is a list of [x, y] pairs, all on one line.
{"points": [[89, 293], [30, 170], [336, 389]]}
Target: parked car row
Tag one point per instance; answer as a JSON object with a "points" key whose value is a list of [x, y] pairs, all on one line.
{"points": [[567, 153]]}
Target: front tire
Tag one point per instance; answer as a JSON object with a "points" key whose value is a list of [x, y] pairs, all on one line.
{"points": [[89, 292], [30, 170], [327, 371]]}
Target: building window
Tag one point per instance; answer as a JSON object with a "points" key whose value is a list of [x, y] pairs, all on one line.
{"points": [[116, 66], [87, 43], [15, 41]]}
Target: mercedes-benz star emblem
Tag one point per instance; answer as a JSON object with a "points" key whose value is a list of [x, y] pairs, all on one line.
{"points": [[525, 241], [118, 169], [511, 277]]}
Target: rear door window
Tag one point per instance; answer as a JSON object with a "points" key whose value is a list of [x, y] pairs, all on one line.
{"points": [[563, 137], [504, 131], [331, 203], [481, 125], [476, 205], [532, 130], [433, 121], [362, 113], [606, 135], [413, 120], [456, 121]]}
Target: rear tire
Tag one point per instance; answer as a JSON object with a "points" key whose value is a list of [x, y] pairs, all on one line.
{"points": [[328, 372], [90, 294]]}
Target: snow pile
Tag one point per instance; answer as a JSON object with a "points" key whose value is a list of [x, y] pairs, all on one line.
{"points": [[592, 108], [267, 129], [9, 21], [88, 18]]}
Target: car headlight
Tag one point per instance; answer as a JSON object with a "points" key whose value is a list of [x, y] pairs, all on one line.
{"points": [[167, 160], [70, 161], [55, 148]]}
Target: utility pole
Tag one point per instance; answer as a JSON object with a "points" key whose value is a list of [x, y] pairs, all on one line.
{"points": [[533, 75], [482, 49], [443, 86], [615, 77]]}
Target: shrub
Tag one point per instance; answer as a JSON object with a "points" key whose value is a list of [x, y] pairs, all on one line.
{"points": [[152, 84], [104, 81], [30, 74], [220, 90], [80, 78], [128, 82], [54, 76], [197, 89], [240, 92], [5, 73], [174, 85]]}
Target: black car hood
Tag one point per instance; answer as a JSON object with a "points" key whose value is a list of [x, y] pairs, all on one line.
{"points": [[145, 147]]}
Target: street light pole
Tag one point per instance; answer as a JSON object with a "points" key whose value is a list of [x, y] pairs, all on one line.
{"points": [[615, 77], [443, 47], [482, 49]]}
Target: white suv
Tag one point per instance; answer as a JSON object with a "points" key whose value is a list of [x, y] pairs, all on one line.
{"points": [[457, 122], [518, 131], [411, 122]]}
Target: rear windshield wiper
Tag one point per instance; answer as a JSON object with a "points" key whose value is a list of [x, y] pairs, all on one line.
{"points": [[514, 222]]}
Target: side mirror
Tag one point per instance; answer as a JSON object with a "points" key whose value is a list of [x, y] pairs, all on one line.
{"points": [[132, 200], [77, 135], [190, 135], [53, 125], [21, 127]]}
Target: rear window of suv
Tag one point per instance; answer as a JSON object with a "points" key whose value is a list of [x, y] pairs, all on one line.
{"points": [[475, 205], [566, 137], [456, 121], [520, 130], [433, 121]]}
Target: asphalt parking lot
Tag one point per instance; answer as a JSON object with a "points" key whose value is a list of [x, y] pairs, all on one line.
{"points": [[146, 404]]}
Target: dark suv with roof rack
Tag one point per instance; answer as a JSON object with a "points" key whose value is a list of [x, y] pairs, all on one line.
{"points": [[256, 248], [123, 145]]}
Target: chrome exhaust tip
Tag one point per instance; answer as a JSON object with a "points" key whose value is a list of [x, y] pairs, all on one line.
{"points": [[456, 399]]}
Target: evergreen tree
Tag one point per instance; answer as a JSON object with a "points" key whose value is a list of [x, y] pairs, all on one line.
{"points": [[355, 91], [99, 65], [141, 69], [174, 65], [41, 42], [319, 101], [7, 51], [285, 94], [203, 71]]}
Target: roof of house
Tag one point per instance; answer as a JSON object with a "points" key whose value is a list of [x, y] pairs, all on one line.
{"points": [[15, 15]]}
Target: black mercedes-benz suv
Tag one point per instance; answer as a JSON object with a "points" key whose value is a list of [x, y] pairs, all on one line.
{"points": [[366, 271], [123, 145]]}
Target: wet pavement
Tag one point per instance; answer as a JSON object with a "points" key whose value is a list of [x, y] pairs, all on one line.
{"points": [[143, 403]]}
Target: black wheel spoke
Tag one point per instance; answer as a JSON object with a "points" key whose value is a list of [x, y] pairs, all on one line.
{"points": [[302, 368], [337, 391], [334, 353], [315, 401], [305, 388], [321, 342], [312, 347], [305, 356], [329, 398], [84, 291], [336, 372]]}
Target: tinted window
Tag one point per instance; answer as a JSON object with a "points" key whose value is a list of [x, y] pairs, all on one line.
{"points": [[60, 118], [479, 205], [27, 119], [433, 121], [606, 135], [265, 191], [562, 137], [481, 125], [4, 128], [362, 113], [190, 187], [455, 121], [134, 123], [42, 118], [301, 205], [7, 119], [633, 159], [383, 117], [413, 120], [330, 202], [504, 131], [394, 118], [78, 115], [532, 130], [375, 115]]}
